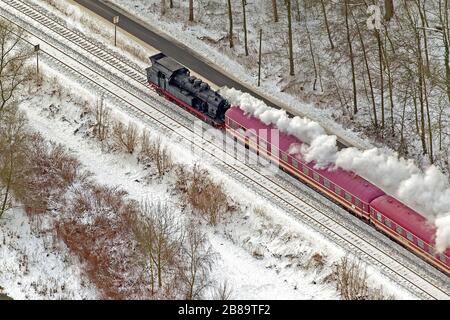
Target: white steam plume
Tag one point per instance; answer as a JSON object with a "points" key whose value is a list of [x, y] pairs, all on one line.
{"points": [[428, 192]]}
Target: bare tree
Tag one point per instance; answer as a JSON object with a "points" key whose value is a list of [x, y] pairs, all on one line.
{"points": [[143, 229], [369, 75], [311, 50], [13, 56], [102, 117], [351, 280], [167, 235], [152, 151], [222, 292], [13, 156], [160, 237], [198, 259]]}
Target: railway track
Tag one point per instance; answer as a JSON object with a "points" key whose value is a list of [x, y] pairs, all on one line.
{"points": [[104, 71]]}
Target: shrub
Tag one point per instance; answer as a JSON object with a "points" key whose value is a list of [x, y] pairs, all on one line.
{"points": [[125, 138], [153, 152], [50, 171], [97, 230], [202, 194], [351, 279]]}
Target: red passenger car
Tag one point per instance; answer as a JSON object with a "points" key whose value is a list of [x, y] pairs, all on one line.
{"points": [[409, 228]]}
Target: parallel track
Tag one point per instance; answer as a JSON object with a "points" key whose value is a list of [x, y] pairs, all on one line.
{"points": [[104, 72]]}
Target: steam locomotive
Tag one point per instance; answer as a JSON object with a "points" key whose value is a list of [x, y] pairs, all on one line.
{"points": [[173, 81]]}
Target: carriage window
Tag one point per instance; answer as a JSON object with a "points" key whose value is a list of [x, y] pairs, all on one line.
{"points": [[348, 196], [305, 170], [358, 203], [430, 250], [420, 243], [326, 183], [316, 176], [379, 216], [337, 189], [372, 211], [251, 134], [262, 144], [442, 258], [284, 157], [409, 236], [388, 223], [399, 230], [295, 163], [234, 125]]}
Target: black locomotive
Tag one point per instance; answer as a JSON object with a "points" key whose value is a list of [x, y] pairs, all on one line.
{"points": [[172, 80]]}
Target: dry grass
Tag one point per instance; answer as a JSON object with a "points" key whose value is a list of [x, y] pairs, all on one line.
{"points": [[97, 231], [125, 138], [153, 152], [50, 171], [205, 196], [351, 280], [317, 260]]}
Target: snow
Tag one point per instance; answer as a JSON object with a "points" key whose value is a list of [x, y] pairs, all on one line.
{"points": [[32, 268], [276, 275], [263, 255]]}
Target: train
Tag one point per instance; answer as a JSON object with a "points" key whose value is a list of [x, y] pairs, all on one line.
{"points": [[357, 195]]}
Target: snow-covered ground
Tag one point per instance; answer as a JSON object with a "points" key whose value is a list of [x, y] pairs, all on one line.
{"points": [[263, 253], [32, 268]]}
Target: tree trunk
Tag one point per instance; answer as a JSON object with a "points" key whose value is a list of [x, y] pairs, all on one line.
{"points": [[324, 11], [298, 10], [230, 19], [311, 50], [443, 15], [275, 10], [390, 80], [8, 185], [259, 57], [163, 7], [352, 62], [366, 63], [380, 58], [421, 97], [388, 9], [244, 3], [291, 51], [191, 10]]}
